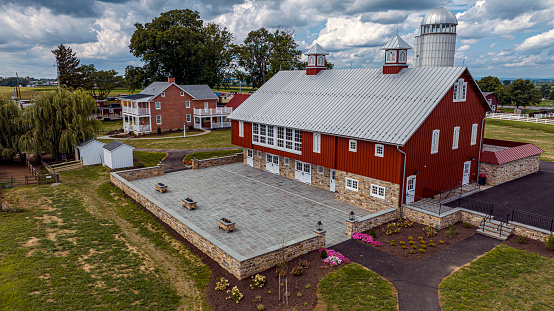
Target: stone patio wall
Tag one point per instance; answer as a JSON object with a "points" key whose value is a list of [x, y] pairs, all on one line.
{"points": [[141, 173], [362, 198], [322, 181], [239, 266], [199, 164], [501, 173], [432, 219], [370, 221], [259, 161], [286, 171], [529, 232]]}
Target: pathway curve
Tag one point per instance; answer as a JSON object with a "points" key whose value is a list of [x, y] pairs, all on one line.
{"points": [[148, 138], [417, 282], [174, 160]]}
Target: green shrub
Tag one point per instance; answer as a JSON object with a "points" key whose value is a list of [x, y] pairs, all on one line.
{"points": [[392, 243], [372, 233], [260, 307], [257, 299], [235, 294], [549, 242], [467, 224], [422, 250], [402, 243], [222, 284], [521, 239], [430, 231], [308, 286], [297, 271], [303, 263], [259, 281], [404, 246], [323, 254], [412, 251], [299, 295], [414, 247]]}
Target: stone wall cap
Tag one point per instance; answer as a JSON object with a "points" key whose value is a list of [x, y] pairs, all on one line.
{"points": [[211, 159], [276, 247], [450, 212], [377, 214], [547, 232], [135, 169]]}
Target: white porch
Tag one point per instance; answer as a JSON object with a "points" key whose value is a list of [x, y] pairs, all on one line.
{"points": [[137, 124], [212, 118]]}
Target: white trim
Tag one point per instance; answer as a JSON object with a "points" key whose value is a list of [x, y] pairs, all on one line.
{"points": [[241, 128], [158, 120], [474, 129], [376, 191], [158, 105], [317, 142], [321, 61], [182, 93], [379, 150], [351, 184], [460, 90], [456, 138], [311, 60], [435, 141], [352, 145], [187, 104]]}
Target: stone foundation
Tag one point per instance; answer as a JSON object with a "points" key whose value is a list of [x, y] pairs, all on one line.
{"points": [[370, 221], [501, 173], [362, 198], [239, 266], [322, 181], [259, 162], [286, 171], [199, 164], [432, 219], [141, 173]]}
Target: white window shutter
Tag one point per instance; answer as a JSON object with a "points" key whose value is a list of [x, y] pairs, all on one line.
{"points": [[317, 142], [474, 129], [456, 138], [241, 128], [435, 142]]}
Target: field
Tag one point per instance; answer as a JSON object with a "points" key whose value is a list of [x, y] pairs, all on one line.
{"points": [[542, 135], [30, 92]]}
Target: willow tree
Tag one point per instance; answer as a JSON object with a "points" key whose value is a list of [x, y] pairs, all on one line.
{"points": [[10, 128], [58, 121]]}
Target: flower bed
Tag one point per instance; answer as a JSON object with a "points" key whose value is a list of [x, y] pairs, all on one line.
{"points": [[366, 238]]}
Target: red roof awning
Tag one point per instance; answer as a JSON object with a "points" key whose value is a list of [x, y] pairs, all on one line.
{"points": [[510, 154]]}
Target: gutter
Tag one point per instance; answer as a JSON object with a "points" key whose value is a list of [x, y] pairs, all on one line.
{"points": [[481, 146], [403, 181]]}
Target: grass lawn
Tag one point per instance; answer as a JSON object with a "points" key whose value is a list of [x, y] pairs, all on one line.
{"points": [[148, 159], [83, 246], [542, 135], [503, 279], [111, 125], [215, 139], [354, 287], [211, 154]]}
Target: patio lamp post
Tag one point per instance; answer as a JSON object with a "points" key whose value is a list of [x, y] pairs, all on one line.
{"points": [[352, 216]]}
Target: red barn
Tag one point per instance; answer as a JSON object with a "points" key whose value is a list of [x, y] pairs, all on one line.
{"points": [[376, 137], [492, 100]]}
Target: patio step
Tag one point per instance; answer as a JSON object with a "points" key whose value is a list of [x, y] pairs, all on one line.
{"points": [[490, 228]]}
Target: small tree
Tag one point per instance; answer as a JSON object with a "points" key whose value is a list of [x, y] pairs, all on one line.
{"points": [[10, 128]]}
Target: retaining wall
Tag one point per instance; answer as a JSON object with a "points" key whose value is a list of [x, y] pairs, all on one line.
{"points": [[530, 232], [371, 221], [199, 164], [500, 173], [141, 173]]}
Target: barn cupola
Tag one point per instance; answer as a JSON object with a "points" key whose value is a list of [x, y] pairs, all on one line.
{"points": [[316, 59], [396, 55]]}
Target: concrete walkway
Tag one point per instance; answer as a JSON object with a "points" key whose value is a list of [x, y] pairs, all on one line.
{"points": [[173, 162], [149, 138], [417, 282]]}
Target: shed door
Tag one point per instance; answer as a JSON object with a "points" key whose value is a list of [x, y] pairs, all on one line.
{"points": [[410, 189], [467, 170], [249, 157], [332, 181]]}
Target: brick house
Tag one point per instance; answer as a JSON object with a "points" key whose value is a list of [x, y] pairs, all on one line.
{"points": [[376, 137], [170, 106]]}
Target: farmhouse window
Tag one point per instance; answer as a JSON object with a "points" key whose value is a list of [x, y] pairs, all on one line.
{"points": [[317, 142], [351, 184], [456, 138], [474, 129], [287, 161], [379, 150], [158, 119], [182, 93], [188, 117], [352, 145], [158, 105], [163, 94], [435, 142], [187, 104], [241, 128], [378, 191]]}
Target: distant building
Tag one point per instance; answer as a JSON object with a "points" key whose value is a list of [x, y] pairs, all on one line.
{"points": [[90, 152], [492, 100], [237, 100]]}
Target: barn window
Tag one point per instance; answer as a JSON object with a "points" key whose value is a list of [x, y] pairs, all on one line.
{"points": [[241, 128], [435, 142], [317, 142], [255, 133], [460, 90], [379, 150], [188, 117], [351, 184], [377, 191], [352, 145], [277, 137], [163, 94], [158, 105], [474, 129], [187, 104], [311, 60], [320, 170], [456, 138], [158, 119], [287, 161], [259, 154], [320, 61]]}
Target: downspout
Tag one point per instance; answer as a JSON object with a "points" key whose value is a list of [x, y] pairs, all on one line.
{"points": [[481, 146], [403, 179]]}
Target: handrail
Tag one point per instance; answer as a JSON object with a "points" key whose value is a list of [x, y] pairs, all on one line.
{"points": [[507, 220], [488, 216], [535, 218]]}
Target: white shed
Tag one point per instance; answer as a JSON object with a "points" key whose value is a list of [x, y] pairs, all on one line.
{"points": [[118, 155], [90, 151]]}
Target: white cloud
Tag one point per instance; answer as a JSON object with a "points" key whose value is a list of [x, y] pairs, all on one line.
{"points": [[464, 48], [541, 41]]}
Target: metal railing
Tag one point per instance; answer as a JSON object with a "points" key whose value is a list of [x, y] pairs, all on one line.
{"points": [[213, 111], [451, 194], [503, 223], [473, 205], [534, 220], [136, 111]]}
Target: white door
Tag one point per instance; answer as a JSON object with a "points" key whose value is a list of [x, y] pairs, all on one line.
{"points": [[206, 106], [299, 171], [307, 174], [249, 157], [272, 163], [410, 189], [332, 181], [467, 170]]}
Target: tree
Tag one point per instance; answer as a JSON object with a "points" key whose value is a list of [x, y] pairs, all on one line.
{"points": [[135, 78], [10, 128], [171, 45], [489, 84], [68, 65], [104, 82], [58, 121], [545, 90], [524, 93], [217, 56], [506, 82]]}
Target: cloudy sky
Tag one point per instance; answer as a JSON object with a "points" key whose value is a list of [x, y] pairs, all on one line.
{"points": [[504, 38]]}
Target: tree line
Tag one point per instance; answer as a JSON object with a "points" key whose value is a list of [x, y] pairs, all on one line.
{"points": [[518, 93], [179, 44]]}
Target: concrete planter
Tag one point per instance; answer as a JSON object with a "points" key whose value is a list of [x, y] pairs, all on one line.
{"points": [[226, 224], [161, 187], [189, 203]]}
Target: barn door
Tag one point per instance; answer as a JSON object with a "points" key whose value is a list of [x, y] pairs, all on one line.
{"points": [[332, 181], [467, 170], [249, 157], [410, 189], [299, 171], [272, 163], [307, 177]]}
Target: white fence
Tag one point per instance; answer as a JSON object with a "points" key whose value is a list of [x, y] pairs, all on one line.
{"points": [[136, 111], [213, 111], [537, 118]]}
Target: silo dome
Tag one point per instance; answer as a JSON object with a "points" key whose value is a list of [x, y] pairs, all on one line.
{"points": [[439, 16]]}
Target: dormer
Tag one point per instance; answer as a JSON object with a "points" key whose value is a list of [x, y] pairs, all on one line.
{"points": [[396, 55], [316, 59]]}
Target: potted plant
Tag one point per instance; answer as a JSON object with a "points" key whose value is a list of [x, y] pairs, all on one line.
{"points": [[161, 187], [189, 203], [226, 224]]}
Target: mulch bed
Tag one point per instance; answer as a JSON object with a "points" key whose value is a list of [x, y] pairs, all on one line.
{"points": [[532, 246], [416, 231]]}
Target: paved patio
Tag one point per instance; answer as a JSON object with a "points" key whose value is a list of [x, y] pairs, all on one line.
{"points": [[267, 208]]}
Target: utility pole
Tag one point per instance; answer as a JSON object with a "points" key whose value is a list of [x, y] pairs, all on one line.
{"points": [[58, 72], [17, 87]]}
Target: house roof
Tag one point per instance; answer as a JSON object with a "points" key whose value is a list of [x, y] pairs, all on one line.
{"points": [[316, 49], [510, 154], [137, 96], [487, 93], [115, 144], [89, 141], [357, 103], [237, 100], [202, 91], [396, 43]]}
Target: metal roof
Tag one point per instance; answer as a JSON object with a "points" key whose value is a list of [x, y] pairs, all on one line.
{"points": [[510, 154], [396, 43], [439, 16], [202, 91], [237, 100], [88, 141], [115, 144], [487, 93], [316, 49], [357, 103], [137, 96]]}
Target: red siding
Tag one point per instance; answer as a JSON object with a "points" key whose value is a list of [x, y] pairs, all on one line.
{"points": [[442, 171], [364, 162], [246, 141]]}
